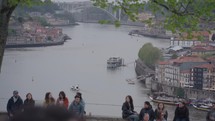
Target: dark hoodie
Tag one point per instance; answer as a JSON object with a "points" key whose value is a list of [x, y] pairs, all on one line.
{"points": [[14, 107], [148, 110], [181, 113], [127, 110]]}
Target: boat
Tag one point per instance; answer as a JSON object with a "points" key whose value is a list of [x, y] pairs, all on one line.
{"points": [[75, 88], [202, 107], [114, 62], [164, 101], [203, 104], [162, 97], [130, 81]]}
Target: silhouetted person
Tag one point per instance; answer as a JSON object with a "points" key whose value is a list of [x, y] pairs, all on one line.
{"points": [[211, 114], [51, 113], [181, 112], [128, 110], [14, 105], [147, 109]]}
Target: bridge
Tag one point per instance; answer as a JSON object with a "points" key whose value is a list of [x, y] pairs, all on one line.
{"points": [[78, 7]]}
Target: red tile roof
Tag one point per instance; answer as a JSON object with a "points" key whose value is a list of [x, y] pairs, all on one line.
{"points": [[163, 62], [188, 59], [211, 59], [203, 48], [208, 66]]}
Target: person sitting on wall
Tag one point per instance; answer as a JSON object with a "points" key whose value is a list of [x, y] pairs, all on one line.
{"points": [[14, 105], [77, 108]]}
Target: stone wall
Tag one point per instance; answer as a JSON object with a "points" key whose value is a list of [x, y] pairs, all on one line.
{"points": [[141, 68], [188, 92], [3, 117]]}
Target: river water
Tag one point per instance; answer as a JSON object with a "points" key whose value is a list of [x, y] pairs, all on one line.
{"points": [[82, 61]]}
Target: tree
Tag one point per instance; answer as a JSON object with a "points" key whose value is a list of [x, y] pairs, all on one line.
{"points": [[6, 9], [174, 56], [42, 21], [180, 92], [179, 15], [149, 54]]}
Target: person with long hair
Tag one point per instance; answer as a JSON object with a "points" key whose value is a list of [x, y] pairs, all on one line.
{"points": [[128, 110], [62, 100], [29, 101], [49, 100], [161, 112], [181, 112]]}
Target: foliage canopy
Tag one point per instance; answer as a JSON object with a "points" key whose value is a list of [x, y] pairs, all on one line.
{"points": [[149, 54], [178, 15]]}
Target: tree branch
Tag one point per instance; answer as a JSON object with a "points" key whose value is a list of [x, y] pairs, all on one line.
{"points": [[177, 12], [6, 7]]}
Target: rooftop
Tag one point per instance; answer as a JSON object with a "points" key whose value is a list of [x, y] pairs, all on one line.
{"points": [[163, 62], [184, 59], [207, 66], [203, 48]]}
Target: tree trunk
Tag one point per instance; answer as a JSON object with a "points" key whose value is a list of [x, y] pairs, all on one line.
{"points": [[5, 13], [3, 34]]}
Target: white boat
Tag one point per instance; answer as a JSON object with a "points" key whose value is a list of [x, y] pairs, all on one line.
{"points": [[203, 107], [75, 88], [130, 81], [115, 62]]}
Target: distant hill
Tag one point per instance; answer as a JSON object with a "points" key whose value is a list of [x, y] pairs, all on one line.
{"points": [[47, 7]]}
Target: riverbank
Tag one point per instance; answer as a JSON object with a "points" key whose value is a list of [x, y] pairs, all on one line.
{"points": [[122, 24], [64, 25], [142, 69], [153, 34], [59, 41]]}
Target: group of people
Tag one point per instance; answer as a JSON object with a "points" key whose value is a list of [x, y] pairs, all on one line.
{"points": [[16, 105], [148, 114]]}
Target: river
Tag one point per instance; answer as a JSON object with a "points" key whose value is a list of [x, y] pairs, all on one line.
{"points": [[81, 61]]}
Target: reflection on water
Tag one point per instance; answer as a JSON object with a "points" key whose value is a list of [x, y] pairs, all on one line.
{"points": [[82, 61]]}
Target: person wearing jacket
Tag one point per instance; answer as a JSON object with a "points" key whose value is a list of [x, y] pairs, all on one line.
{"points": [[161, 111], [211, 114], [181, 112], [147, 109], [29, 101], [49, 100], [77, 108], [128, 110], [14, 105], [62, 100]]}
